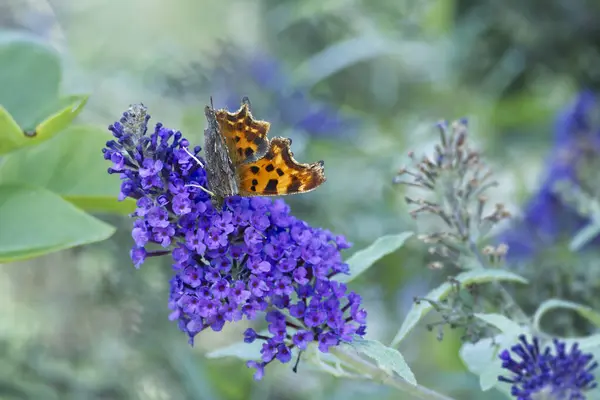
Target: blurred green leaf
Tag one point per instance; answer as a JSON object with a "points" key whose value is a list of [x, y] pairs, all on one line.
{"points": [[584, 236], [62, 119], [14, 138], [363, 259], [36, 221], [481, 358], [479, 276], [30, 74], [11, 135], [501, 322], [387, 358], [71, 165], [551, 304], [242, 350]]}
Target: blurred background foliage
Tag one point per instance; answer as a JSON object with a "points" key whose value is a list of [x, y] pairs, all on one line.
{"points": [[355, 83]]}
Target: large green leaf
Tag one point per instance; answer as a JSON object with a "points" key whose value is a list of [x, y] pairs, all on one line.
{"points": [[31, 109], [71, 164], [30, 75], [35, 221], [363, 259], [479, 276]]}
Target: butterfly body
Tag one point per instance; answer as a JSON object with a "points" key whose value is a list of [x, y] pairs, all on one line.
{"points": [[240, 159]]}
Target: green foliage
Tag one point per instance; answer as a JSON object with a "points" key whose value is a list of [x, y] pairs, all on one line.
{"points": [[387, 358], [241, 350], [36, 221], [35, 170], [365, 258], [30, 76], [552, 304], [419, 310], [72, 166]]}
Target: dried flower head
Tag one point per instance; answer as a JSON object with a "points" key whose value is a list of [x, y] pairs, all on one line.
{"points": [[251, 259], [456, 180]]}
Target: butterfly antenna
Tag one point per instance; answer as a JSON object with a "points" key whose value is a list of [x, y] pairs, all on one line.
{"points": [[193, 156], [211, 103]]}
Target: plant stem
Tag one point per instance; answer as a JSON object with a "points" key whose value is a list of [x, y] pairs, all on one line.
{"points": [[370, 370]]}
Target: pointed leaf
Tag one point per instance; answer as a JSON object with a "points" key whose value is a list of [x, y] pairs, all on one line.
{"points": [[387, 358], [584, 236], [585, 311], [61, 119], [479, 276], [363, 259], [36, 221], [71, 164], [11, 135]]}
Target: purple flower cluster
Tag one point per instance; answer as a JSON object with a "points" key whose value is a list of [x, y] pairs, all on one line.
{"points": [[559, 375], [546, 219], [251, 259]]}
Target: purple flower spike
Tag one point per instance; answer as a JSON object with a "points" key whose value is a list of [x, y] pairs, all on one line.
{"points": [[253, 258]]}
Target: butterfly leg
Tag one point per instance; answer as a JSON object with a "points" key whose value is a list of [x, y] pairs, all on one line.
{"points": [[201, 187]]}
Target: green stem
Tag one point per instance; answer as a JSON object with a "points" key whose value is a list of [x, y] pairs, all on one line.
{"points": [[416, 392]]}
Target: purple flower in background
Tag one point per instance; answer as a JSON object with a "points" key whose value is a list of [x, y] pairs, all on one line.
{"points": [[253, 258], [558, 375], [546, 218], [288, 104]]}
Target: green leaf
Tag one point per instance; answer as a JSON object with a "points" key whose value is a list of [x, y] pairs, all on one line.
{"points": [[30, 75], [585, 343], [585, 311], [363, 259], [11, 135], [72, 165], [36, 221], [241, 350], [584, 236], [61, 119], [478, 276], [46, 130], [501, 322], [388, 359], [481, 358]]}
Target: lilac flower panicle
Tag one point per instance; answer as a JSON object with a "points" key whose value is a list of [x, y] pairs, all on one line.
{"points": [[546, 218], [557, 375], [253, 258]]}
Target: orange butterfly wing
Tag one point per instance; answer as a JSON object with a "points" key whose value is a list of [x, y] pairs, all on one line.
{"points": [[245, 137], [277, 173]]}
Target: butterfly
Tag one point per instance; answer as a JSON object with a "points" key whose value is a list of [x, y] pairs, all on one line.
{"points": [[241, 160]]}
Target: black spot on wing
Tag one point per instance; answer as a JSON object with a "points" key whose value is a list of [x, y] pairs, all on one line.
{"points": [[254, 169], [279, 172], [248, 152], [271, 187], [269, 168]]}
